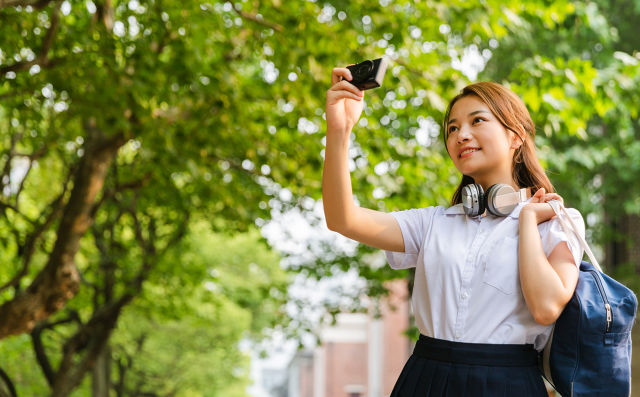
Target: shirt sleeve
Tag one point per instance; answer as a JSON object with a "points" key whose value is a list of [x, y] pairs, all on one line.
{"points": [[552, 233], [415, 224]]}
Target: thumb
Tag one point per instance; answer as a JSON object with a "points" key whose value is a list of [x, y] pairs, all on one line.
{"points": [[538, 195]]}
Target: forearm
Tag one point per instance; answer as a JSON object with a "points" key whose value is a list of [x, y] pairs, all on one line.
{"points": [[542, 287], [337, 194]]}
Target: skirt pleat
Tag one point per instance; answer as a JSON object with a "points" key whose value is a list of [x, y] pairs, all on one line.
{"points": [[458, 383], [446, 369], [424, 371], [536, 383], [477, 382], [439, 378], [414, 377], [497, 383]]}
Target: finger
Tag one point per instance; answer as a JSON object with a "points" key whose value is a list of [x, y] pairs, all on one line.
{"points": [[337, 96], [345, 85], [334, 96], [537, 196], [337, 73], [554, 196]]}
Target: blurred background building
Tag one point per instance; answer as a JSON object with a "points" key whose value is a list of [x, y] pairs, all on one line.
{"points": [[361, 355]]}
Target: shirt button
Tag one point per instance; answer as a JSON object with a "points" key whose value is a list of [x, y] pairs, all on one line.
{"points": [[465, 295]]}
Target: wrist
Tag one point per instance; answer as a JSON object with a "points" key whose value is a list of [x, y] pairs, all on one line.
{"points": [[338, 132], [336, 138], [527, 212]]}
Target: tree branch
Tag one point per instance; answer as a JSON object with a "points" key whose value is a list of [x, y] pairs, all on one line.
{"points": [[42, 58], [27, 249], [126, 363], [132, 185], [38, 346], [7, 381], [58, 281], [255, 18], [5, 206], [104, 13], [92, 336]]}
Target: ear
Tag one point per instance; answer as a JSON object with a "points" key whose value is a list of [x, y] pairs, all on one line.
{"points": [[516, 142]]}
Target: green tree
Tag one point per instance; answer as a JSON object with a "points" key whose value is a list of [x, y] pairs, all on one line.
{"points": [[189, 343], [582, 93], [137, 117], [179, 337]]}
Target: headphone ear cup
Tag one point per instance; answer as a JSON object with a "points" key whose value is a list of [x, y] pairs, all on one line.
{"points": [[473, 199], [493, 192], [482, 199]]}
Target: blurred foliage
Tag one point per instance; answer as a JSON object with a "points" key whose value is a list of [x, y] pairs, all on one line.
{"points": [[221, 106], [580, 81], [182, 335]]}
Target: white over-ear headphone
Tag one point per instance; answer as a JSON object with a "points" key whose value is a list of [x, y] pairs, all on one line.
{"points": [[500, 199]]}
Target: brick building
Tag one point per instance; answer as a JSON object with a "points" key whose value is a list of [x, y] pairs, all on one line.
{"points": [[360, 356]]}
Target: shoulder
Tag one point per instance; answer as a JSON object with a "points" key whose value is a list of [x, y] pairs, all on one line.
{"points": [[554, 225], [419, 218], [423, 211], [574, 214]]}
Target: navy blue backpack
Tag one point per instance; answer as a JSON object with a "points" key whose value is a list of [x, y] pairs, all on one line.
{"points": [[589, 352]]}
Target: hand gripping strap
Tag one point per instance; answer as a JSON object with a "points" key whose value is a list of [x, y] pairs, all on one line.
{"points": [[559, 209]]}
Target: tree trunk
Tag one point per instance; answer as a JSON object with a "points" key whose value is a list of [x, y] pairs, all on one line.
{"points": [[101, 376], [59, 280], [89, 342]]}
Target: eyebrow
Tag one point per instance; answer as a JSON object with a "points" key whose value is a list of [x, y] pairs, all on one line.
{"points": [[470, 114]]}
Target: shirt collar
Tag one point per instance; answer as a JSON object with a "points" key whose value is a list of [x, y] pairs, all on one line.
{"points": [[458, 210]]}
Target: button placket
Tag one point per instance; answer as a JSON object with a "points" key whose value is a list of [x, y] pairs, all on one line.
{"points": [[467, 274]]}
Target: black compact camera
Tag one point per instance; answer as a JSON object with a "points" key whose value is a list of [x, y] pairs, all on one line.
{"points": [[368, 74]]}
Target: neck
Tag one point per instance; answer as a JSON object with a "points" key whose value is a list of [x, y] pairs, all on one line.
{"points": [[486, 183]]}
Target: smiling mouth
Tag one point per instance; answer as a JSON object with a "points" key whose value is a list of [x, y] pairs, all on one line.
{"points": [[468, 153]]}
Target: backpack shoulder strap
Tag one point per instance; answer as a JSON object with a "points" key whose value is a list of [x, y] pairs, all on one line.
{"points": [[560, 210]]}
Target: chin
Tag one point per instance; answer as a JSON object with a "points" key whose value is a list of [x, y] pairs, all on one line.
{"points": [[466, 170]]}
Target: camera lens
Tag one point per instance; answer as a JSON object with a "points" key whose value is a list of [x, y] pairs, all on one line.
{"points": [[364, 68]]}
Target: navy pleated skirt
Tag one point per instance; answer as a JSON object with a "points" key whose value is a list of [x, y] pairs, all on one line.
{"points": [[443, 368]]}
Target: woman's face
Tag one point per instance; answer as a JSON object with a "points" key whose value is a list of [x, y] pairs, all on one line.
{"points": [[479, 145]]}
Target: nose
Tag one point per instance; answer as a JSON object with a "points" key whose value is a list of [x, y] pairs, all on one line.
{"points": [[463, 134]]}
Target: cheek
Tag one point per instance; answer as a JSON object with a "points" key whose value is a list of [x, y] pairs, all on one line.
{"points": [[498, 152], [452, 154], [449, 148]]}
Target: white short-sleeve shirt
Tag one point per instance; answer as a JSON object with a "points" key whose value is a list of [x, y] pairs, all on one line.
{"points": [[467, 284]]}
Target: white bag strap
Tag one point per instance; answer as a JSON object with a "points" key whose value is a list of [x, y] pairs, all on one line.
{"points": [[559, 209]]}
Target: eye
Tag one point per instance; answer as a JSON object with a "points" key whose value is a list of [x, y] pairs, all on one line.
{"points": [[452, 129], [478, 119]]}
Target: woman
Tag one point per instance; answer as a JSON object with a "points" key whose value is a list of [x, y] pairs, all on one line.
{"points": [[489, 284]]}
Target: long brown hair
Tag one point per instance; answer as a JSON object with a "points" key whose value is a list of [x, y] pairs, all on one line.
{"points": [[512, 113]]}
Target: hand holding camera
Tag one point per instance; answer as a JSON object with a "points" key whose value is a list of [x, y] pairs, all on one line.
{"points": [[345, 97], [368, 74]]}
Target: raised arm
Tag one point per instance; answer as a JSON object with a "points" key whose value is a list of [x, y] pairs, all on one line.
{"points": [[377, 229]]}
